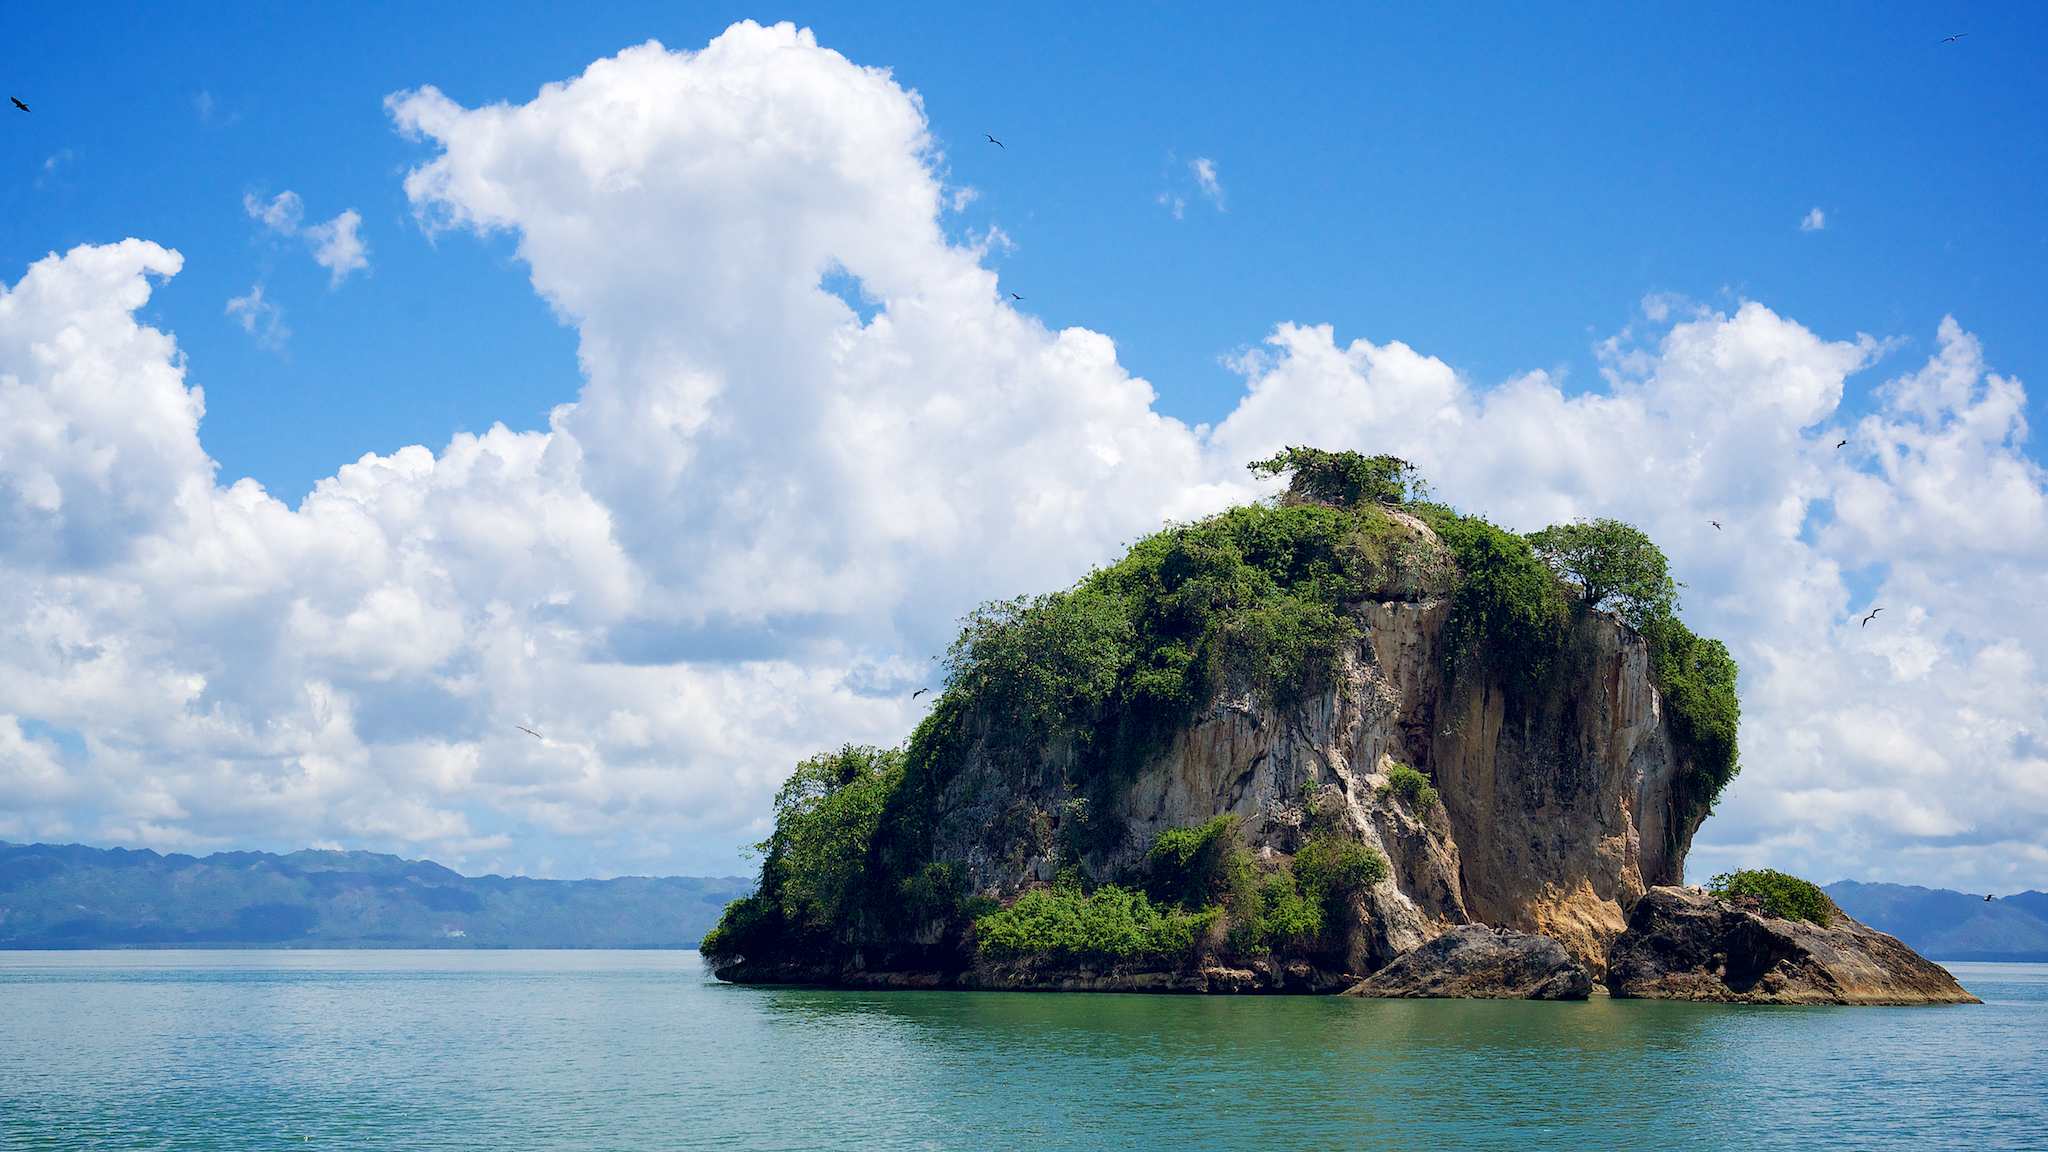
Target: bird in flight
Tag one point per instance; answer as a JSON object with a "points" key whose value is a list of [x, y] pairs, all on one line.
{"points": [[1841, 443], [18, 103], [1014, 296], [996, 142], [919, 692], [1869, 618], [1951, 40], [1716, 524], [529, 732]]}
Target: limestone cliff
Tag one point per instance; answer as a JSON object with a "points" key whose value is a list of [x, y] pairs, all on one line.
{"points": [[1271, 750], [1553, 819]]}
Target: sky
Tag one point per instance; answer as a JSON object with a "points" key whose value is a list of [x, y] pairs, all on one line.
{"points": [[375, 381]]}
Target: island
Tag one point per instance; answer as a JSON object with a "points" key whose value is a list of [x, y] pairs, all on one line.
{"points": [[1350, 739]]}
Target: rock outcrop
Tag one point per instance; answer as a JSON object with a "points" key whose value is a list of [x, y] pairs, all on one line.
{"points": [[1684, 944], [1476, 962], [1556, 813]]}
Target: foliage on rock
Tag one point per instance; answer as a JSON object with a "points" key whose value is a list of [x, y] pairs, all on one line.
{"points": [[1784, 896]]}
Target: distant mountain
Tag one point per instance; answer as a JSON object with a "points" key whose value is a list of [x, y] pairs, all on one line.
{"points": [[72, 896], [1945, 925]]}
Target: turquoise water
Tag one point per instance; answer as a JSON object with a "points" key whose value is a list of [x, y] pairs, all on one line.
{"points": [[641, 1050]]}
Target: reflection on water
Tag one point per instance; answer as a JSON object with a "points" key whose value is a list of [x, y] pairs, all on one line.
{"points": [[640, 1050]]}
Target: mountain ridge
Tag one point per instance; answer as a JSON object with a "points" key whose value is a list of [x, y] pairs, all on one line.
{"points": [[76, 896], [1944, 924]]}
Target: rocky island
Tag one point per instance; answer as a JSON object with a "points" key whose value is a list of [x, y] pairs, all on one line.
{"points": [[1348, 740]]}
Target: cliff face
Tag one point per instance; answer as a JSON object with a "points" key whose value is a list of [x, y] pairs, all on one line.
{"points": [[1557, 812], [1270, 750]]}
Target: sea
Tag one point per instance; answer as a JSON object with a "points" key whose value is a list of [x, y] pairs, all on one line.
{"points": [[644, 1050]]}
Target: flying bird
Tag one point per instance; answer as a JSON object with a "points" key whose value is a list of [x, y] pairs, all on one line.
{"points": [[18, 103], [1014, 296], [996, 142], [1869, 618], [919, 692], [1716, 524], [1951, 40], [529, 732], [1841, 443]]}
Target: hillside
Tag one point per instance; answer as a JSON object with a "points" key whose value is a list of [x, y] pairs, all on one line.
{"points": [[1947, 925], [1267, 750], [72, 896]]}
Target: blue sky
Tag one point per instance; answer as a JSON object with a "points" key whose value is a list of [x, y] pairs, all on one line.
{"points": [[1499, 188], [1647, 263]]}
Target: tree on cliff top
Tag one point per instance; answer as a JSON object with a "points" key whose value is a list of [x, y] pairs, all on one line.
{"points": [[1613, 565], [1346, 479]]}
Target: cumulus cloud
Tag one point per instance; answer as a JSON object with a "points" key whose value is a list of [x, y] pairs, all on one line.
{"points": [[746, 534], [337, 245], [260, 318], [1815, 220]]}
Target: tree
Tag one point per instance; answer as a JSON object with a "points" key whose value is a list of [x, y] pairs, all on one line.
{"points": [[1346, 479], [1613, 565]]}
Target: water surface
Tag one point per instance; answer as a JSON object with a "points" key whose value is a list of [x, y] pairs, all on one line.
{"points": [[641, 1050]]}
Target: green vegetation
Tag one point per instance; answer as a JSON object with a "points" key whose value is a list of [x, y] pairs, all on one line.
{"points": [[1613, 565], [814, 871], [1097, 678], [1345, 479], [1193, 867], [1787, 897], [1413, 787], [1508, 603], [1107, 925], [1696, 677]]}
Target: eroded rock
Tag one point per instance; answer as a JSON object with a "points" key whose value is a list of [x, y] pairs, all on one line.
{"points": [[1476, 962], [1684, 944]]}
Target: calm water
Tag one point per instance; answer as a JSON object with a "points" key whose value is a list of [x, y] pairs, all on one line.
{"points": [[638, 1050]]}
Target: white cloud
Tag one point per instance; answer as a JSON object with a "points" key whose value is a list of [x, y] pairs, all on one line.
{"points": [[337, 245], [281, 213], [1204, 170], [1177, 205], [1815, 220], [754, 524], [260, 318]]}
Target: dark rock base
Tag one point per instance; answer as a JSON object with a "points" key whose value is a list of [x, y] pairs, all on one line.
{"points": [[1476, 962]]}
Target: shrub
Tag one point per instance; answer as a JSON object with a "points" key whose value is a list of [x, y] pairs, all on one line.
{"points": [[1508, 602], [1345, 479], [1192, 867], [1613, 565], [1413, 787], [1288, 918], [1787, 897], [1108, 925], [1697, 679], [1331, 869]]}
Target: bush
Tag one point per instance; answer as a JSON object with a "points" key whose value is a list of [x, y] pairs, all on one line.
{"points": [[1508, 602], [1332, 869], [1345, 479], [1697, 679], [1613, 565], [1108, 925], [1413, 787], [1192, 867], [1787, 897]]}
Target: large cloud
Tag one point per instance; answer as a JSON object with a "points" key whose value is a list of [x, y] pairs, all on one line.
{"points": [[811, 432]]}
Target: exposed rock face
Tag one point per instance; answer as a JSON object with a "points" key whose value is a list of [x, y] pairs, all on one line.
{"points": [[1556, 814], [1476, 962], [1683, 944]]}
